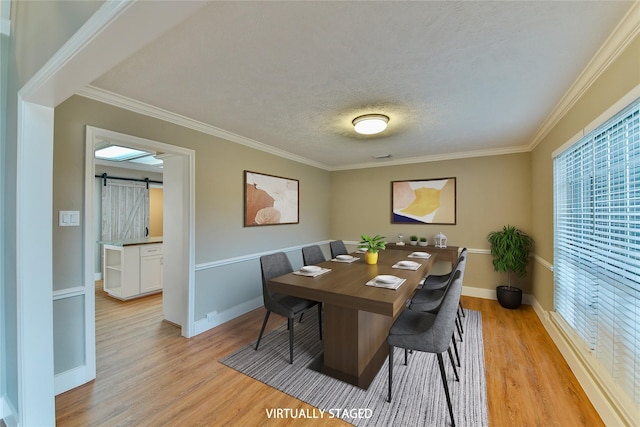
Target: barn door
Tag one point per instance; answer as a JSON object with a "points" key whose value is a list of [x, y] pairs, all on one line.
{"points": [[125, 210]]}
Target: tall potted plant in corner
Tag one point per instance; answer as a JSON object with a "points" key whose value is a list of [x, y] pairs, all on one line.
{"points": [[372, 245], [510, 251]]}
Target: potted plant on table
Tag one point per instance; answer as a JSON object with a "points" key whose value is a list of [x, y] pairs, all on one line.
{"points": [[414, 240], [510, 251], [423, 241], [372, 245]]}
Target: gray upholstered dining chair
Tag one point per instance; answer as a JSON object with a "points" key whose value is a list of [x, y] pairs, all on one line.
{"points": [[439, 281], [434, 282], [275, 265], [427, 332], [338, 248], [312, 255], [430, 300]]}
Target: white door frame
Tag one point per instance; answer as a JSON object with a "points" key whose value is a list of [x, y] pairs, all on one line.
{"points": [[108, 37], [179, 243]]}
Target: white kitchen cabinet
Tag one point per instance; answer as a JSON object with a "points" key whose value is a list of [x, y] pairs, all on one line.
{"points": [[132, 270], [150, 268]]}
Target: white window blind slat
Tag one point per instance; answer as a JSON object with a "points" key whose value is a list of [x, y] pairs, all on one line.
{"points": [[597, 244]]}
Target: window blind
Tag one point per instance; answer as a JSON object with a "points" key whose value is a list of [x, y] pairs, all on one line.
{"points": [[597, 245]]}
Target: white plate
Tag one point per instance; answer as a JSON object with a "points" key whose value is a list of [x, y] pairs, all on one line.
{"points": [[385, 278], [345, 257], [311, 269], [408, 263], [424, 254]]}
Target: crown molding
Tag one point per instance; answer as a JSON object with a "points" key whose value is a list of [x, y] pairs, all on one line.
{"points": [[130, 104], [617, 42], [437, 158], [612, 48], [116, 100]]}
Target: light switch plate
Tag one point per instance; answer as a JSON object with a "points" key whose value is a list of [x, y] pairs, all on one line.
{"points": [[69, 219]]}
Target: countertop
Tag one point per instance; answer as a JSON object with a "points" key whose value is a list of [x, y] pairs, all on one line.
{"points": [[131, 242]]}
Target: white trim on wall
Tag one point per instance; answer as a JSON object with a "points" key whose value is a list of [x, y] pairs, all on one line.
{"points": [[116, 100], [612, 411], [613, 47], [252, 256]]}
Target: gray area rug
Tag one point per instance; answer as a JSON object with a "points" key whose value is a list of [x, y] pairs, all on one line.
{"points": [[418, 396]]}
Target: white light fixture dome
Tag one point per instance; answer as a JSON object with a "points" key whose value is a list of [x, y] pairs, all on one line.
{"points": [[370, 124]]}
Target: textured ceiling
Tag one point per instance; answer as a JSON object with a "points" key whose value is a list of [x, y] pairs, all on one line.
{"points": [[454, 77]]}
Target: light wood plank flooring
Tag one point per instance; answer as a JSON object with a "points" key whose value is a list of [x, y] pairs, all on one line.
{"points": [[148, 375]]}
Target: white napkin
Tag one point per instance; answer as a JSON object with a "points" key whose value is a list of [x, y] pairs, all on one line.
{"points": [[345, 258], [387, 284], [421, 255], [407, 265], [312, 273]]}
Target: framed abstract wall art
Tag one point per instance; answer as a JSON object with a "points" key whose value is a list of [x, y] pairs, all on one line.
{"points": [[270, 200], [426, 201]]}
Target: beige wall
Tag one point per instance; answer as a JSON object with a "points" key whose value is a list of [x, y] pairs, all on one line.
{"points": [[491, 191], [219, 193], [155, 212], [619, 78]]}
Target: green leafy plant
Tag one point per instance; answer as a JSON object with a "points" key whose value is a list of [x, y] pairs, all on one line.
{"points": [[413, 238], [510, 251], [423, 239], [372, 244]]}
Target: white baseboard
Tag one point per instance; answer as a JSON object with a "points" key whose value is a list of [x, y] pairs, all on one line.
{"points": [[72, 378], [229, 314], [612, 412], [479, 292], [97, 276]]}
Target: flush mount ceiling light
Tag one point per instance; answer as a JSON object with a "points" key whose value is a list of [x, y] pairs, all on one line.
{"points": [[370, 124]]}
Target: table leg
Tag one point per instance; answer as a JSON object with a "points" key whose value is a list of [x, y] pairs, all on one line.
{"points": [[354, 344]]}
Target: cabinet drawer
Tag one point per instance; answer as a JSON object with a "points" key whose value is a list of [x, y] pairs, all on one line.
{"points": [[148, 250]]}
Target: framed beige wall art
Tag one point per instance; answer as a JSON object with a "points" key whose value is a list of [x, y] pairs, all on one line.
{"points": [[426, 201], [270, 200]]}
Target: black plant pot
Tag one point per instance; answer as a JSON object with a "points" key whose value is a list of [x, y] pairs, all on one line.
{"points": [[509, 297]]}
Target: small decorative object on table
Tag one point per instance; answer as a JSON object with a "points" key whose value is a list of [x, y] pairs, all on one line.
{"points": [[400, 240], [413, 240], [372, 245], [423, 241], [441, 240]]}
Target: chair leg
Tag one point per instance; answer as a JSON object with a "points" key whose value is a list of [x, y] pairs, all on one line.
{"points": [[405, 356], [446, 388], [320, 319], [461, 308], [455, 348], [458, 328], [264, 324], [455, 371], [460, 322], [290, 322], [301, 315], [390, 371]]}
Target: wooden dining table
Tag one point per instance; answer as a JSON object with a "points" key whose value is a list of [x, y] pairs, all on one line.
{"points": [[357, 317]]}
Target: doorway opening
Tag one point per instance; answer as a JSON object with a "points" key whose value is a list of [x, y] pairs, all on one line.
{"points": [[178, 240]]}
